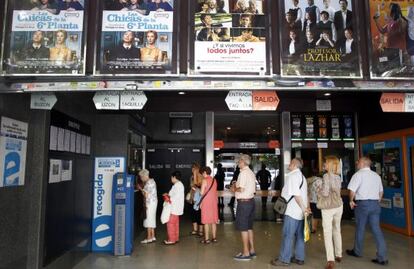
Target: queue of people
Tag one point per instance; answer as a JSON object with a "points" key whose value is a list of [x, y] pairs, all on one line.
{"points": [[365, 193]]}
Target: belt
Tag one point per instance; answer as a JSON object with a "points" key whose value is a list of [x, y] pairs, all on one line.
{"points": [[367, 200], [244, 200]]}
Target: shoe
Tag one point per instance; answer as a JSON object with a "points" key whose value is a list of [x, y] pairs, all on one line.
{"points": [[298, 262], [241, 257], [205, 241], [194, 233], [214, 240], [279, 220], [166, 242], [253, 255], [330, 265], [376, 261], [277, 262], [351, 252], [146, 241], [338, 259]]}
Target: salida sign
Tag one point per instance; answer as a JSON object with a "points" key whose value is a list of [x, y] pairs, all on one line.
{"points": [[252, 100], [397, 102]]}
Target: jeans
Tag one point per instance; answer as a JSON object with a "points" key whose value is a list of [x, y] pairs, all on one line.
{"points": [[368, 211], [331, 222], [292, 235]]}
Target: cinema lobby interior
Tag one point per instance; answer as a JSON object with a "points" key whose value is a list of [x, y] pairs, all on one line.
{"points": [[162, 134]]}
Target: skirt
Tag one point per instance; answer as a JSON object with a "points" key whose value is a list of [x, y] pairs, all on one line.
{"points": [[151, 220]]}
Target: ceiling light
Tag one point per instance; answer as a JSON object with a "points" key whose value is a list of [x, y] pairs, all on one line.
{"points": [[327, 94], [181, 93], [228, 128]]}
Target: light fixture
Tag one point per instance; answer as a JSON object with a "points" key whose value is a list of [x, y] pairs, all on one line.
{"points": [[181, 93], [327, 94], [228, 128]]}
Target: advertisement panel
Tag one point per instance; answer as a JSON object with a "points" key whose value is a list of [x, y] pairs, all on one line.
{"points": [[44, 38], [13, 146], [230, 37], [392, 39], [320, 38], [102, 223], [136, 37]]}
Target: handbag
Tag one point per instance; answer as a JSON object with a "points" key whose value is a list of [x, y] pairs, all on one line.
{"points": [[204, 195], [333, 200], [281, 203], [189, 197], [166, 212]]}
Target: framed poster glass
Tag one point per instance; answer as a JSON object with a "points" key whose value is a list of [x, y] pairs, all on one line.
{"points": [[229, 37], [391, 39], [44, 37], [319, 38], [136, 37]]}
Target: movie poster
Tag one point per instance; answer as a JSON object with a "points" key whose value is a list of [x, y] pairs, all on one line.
{"points": [[230, 37], [44, 37], [319, 38], [137, 37], [392, 39]]}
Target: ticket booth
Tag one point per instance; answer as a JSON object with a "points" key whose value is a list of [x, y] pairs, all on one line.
{"points": [[392, 157]]}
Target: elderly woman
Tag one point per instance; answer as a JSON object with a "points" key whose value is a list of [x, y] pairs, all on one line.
{"points": [[330, 202], [151, 201]]}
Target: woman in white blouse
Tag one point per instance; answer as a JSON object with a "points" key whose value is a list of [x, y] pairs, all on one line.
{"points": [[151, 201]]}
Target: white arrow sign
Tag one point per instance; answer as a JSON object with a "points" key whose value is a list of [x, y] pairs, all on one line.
{"points": [[240, 100], [42, 101], [133, 100], [106, 100]]}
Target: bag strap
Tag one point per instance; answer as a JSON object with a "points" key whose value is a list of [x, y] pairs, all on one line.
{"points": [[300, 187], [205, 194]]}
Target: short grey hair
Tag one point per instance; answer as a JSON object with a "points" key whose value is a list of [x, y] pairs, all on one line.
{"points": [[245, 158], [143, 173], [298, 162]]}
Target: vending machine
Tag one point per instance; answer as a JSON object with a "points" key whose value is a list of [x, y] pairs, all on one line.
{"points": [[123, 213]]}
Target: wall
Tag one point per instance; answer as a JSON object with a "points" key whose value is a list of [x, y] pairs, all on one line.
{"points": [[14, 201]]}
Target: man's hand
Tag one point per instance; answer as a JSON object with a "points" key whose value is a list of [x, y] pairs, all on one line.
{"points": [[352, 204]]}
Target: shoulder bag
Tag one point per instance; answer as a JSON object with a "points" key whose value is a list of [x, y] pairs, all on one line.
{"points": [[197, 204], [281, 203], [333, 200]]}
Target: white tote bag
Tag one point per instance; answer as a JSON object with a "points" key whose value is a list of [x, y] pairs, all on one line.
{"points": [[166, 212]]}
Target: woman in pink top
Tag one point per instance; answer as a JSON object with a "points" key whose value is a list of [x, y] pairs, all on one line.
{"points": [[209, 207]]}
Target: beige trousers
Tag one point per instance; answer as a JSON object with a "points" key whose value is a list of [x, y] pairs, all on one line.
{"points": [[331, 223]]}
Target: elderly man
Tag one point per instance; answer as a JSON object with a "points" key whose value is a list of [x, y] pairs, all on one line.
{"points": [[244, 190], [295, 191], [365, 194]]}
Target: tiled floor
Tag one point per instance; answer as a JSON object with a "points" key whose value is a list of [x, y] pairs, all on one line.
{"points": [[189, 253]]}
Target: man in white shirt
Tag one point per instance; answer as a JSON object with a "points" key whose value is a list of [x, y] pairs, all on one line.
{"points": [[244, 190], [365, 194], [176, 195], [295, 192]]}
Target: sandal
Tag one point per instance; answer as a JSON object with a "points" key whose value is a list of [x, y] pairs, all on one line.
{"points": [[194, 233], [214, 240], [205, 241], [166, 242], [200, 234]]}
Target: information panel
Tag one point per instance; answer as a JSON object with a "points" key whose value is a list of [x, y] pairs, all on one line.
{"points": [[319, 38], [136, 37], [229, 37], [44, 37], [392, 39]]}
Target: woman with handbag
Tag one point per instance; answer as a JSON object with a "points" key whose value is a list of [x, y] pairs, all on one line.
{"points": [[151, 201], [209, 205], [196, 181], [330, 202]]}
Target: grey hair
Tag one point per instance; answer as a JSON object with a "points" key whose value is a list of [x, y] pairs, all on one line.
{"points": [[366, 160], [298, 162], [143, 173], [245, 158]]}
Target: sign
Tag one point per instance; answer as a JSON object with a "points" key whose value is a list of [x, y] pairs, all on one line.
{"points": [[252, 100], [230, 37], [136, 38], [391, 43], [133, 100], [240, 100], [218, 144], [106, 100], [397, 102], [318, 41], [274, 144], [265, 100], [13, 147], [248, 145], [42, 101], [323, 105], [322, 145], [102, 223], [44, 39]]}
